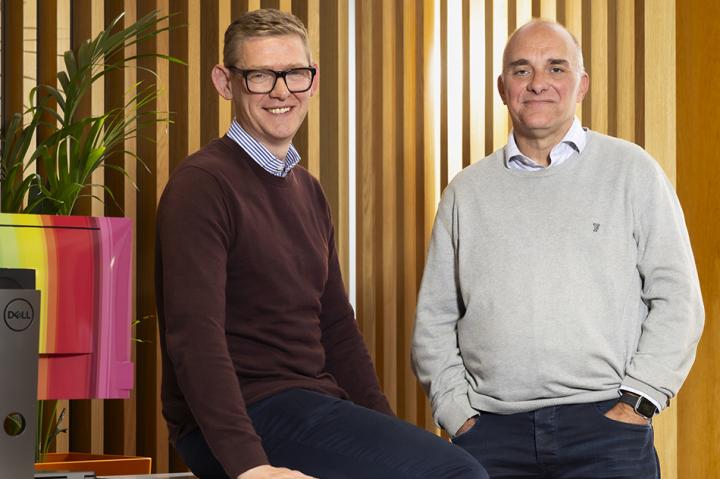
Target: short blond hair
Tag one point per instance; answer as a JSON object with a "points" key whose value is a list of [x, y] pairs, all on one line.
{"points": [[265, 22]]}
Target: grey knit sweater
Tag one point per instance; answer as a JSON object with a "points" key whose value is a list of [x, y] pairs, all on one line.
{"points": [[556, 287]]}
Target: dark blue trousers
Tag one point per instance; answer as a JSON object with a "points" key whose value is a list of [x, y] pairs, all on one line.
{"points": [[335, 439], [562, 442]]}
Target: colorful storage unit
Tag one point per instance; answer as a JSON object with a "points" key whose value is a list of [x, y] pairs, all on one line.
{"points": [[84, 272]]}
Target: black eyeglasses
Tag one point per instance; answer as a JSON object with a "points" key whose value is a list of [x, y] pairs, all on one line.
{"points": [[297, 80]]}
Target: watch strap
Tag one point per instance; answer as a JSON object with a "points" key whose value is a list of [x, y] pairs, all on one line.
{"points": [[641, 405]]}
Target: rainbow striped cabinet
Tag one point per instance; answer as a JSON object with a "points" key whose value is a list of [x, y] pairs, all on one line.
{"points": [[83, 269]]}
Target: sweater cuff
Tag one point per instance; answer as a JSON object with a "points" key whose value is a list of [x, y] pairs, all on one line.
{"points": [[660, 400], [452, 413], [253, 456]]}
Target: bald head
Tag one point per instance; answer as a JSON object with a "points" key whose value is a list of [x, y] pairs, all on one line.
{"points": [[532, 27]]}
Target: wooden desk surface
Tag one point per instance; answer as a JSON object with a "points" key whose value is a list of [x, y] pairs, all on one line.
{"points": [[175, 475]]}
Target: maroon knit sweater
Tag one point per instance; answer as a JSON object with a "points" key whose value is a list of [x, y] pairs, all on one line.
{"points": [[250, 299]]}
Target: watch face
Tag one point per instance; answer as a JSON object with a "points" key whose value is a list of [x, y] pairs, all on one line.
{"points": [[646, 408]]}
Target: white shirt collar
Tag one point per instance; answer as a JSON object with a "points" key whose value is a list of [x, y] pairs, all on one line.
{"points": [[262, 155], [573, 141]]}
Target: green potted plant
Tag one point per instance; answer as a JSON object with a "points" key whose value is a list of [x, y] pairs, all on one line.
{"points": [[76, 145], [72, 148]]}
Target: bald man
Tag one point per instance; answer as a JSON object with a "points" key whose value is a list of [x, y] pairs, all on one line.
{"points": [[559, 309]]}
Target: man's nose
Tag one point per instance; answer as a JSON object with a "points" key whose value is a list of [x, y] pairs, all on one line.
{"points": [[538, 83], [280, 90]]}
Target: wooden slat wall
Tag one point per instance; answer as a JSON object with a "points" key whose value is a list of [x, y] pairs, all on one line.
{"points": [[409, 110], [698, 183]]}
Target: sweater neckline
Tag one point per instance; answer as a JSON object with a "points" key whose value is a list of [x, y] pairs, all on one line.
{"points": [[567, 165], [265, 177]]}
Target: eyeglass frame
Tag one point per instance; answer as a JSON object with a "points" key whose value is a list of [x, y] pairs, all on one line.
{"points": [[278, 74]]}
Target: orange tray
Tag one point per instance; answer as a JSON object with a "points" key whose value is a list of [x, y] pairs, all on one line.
{"points": [[101, 464]]}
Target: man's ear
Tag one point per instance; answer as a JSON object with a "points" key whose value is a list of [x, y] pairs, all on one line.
{"points": [[584, 86], [221, 80], [316, 81], [501, 88]]}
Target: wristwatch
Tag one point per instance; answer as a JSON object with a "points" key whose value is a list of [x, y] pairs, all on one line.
{"points": [[640, 404]]}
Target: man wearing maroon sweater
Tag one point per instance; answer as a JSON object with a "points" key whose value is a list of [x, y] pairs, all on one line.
{"points": [[265, 374]]}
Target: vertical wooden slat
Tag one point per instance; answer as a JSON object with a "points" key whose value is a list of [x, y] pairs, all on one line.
{"points": [[660, 84], [548, 9], [698, 183], [571, 17], [640, 72], [47, 28], [611, 60], [388, 166], [195, 76], [313, 117], [367, 83], [467, 64], [12, 59], [660, 142], [625, 70], [284, 5], [477, 75], [210, 31], [183, 94], [523, 13], [598, 15], [152, 147], [81, 29], [587, 47], [407, 405], [454, 75], [443, 91], [180, 97], [333, 110], [225, 113], [114, 82], [307, 139], [499, 19], [240, 6], [490, 82], [97, 106], [430, 180]]}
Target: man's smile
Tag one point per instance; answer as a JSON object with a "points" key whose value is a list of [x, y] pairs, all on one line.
{"points": [[278, 110]]}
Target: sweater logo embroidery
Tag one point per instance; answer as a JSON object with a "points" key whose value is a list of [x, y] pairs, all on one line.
{"points": [[596, 227]]}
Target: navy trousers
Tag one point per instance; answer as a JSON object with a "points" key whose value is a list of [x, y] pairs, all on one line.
{"points": [[332, 438], [562, 442]]}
